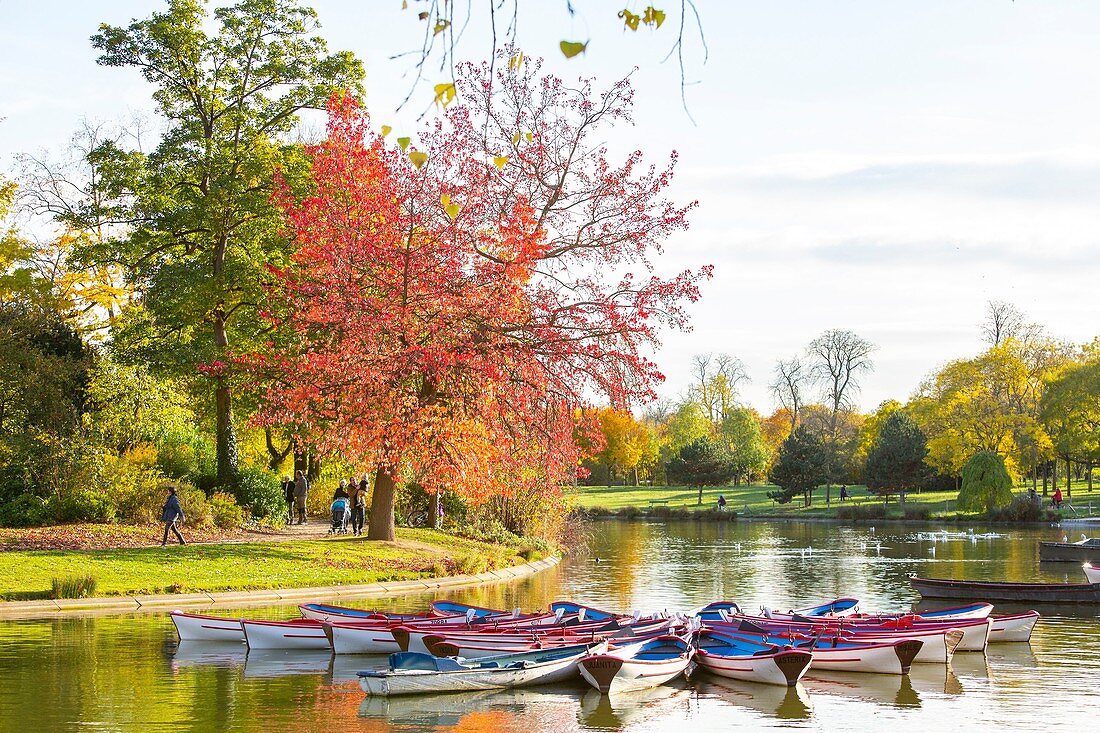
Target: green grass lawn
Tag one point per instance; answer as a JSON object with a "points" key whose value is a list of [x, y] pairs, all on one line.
{"points": [[251, 566], [752, 499]]}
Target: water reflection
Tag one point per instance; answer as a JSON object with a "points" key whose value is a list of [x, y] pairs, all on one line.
{"points": [[783, 703], [615, 712]]}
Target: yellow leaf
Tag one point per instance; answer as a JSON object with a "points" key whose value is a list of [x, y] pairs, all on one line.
{"points": [[530, 136], [515, 139], [386, 129], [444, 94], [440, 26], [404, 4], [500, 161], [452, 210], [630, 19], [653, 17], [418, 158], [404, 142], [422, 15], [570, 49], [516, 61], [444, 199]]}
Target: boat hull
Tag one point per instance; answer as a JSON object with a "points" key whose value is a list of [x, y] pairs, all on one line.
{"points": [[348, 639], [610, 674], [196, 627], [284, 635], [1016, 627], [1008, 592], [784, 668], [1069, 552]]}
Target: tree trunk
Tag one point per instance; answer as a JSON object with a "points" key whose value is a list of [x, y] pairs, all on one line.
{"points": [[313, 467], [1069, 480], [276, 456], [381, 507], [1088, 475], [226, 438], [437, 521], [828, 493], [700, 502], [634, 473]]}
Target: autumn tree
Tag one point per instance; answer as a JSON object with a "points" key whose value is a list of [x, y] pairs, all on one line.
{"points": [[715, 378], [705, 462], [455, 301], [1071, 414], [986, 483], [202, 229], [628, 443]]}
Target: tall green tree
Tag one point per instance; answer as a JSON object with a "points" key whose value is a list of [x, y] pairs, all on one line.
{"points": [[802, 466], [895, 463], [704, 462], [740, 430], [986, 483], [203, 229]]}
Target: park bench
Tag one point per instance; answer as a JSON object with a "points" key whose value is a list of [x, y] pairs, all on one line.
{"points": [[655, 502]]}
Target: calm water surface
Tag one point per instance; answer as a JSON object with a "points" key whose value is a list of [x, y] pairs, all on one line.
{"points": [[128, 673]]}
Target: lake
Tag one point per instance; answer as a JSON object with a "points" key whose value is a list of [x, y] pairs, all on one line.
{"points": [[129, 673]]}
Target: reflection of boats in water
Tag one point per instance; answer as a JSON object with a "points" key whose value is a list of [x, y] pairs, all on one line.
{"points": [[422, 712], [285, 662], [785, 703], [615, 711], [895, 691], [209, 653]]}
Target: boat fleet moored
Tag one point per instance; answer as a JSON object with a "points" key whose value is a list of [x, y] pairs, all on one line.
{"points": [[456, 647]]}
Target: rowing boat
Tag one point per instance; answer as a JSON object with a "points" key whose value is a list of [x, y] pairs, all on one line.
{"points": [[637, 666], [413, 673], [478, 646], [839, 654], [1092, 572], [743, 659], [1087, 550], [297, 634], [197, 627], [1009, 592]]}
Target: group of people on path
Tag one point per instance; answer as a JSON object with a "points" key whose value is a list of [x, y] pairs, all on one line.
{"points": [[296, 492]]}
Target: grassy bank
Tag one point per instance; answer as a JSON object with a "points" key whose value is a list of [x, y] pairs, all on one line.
{"points": [[252, 566], [752, 500]]}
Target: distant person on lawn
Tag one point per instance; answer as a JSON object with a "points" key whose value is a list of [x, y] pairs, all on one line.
{"points": [[170, 515], [721, 503], [301, 491]]}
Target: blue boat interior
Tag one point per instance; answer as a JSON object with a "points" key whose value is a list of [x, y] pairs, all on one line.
{"points": [[951, 611], [661, 649], [462, 608], [589, 613], [712, 611], [837, 606], [322, 608]]}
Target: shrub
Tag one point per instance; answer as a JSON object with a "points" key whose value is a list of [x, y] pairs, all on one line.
{"points": [[470, 564], [629, 512], [917, 512], [261, 493], [192, 500], [25, 510], [133, 485], [85, 505], [1022, 509], [79, 586], [861, 513], [225, 512]]}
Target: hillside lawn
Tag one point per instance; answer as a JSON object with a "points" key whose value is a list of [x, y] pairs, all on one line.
{"points": [[752, 500], [418, 553]]}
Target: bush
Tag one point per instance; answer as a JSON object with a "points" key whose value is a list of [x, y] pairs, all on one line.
{"points": [[1022, 509], [260, 492], [80, 586], [134, 486], [25, 510], [192, 500], [861, 513], [471, 564], [917, 512], [85, 505], [225, 511]]}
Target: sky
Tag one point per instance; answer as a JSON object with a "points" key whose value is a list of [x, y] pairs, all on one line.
{"points": [[883, 167]]}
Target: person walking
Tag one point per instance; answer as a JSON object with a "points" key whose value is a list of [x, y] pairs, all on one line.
{"points": [[358, 507], [301, 492], [288, 494], [1056, 500], [170, 514]]}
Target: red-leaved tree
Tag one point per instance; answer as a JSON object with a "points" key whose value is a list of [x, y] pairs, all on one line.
{"points": [[452, 307]]}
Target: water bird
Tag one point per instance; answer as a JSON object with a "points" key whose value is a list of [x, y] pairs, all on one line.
{"points": [[878, 547], [932, 550], [737, 546], [863, 545]]}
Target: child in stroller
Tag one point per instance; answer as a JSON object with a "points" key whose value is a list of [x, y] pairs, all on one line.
{"points": [[340, 514]]}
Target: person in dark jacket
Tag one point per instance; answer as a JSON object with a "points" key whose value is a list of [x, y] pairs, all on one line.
{"points": [[170, 514], [301, 495], [288, 494]]}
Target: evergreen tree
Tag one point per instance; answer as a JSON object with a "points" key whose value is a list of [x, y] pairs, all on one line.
{"points": [[802, 466], [703, 462], [895, 463]]}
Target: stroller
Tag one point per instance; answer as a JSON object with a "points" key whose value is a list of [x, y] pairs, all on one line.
{"points": [[340, 515]]}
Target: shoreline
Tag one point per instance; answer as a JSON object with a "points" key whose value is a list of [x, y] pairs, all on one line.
{"points": [[64, 607]]}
